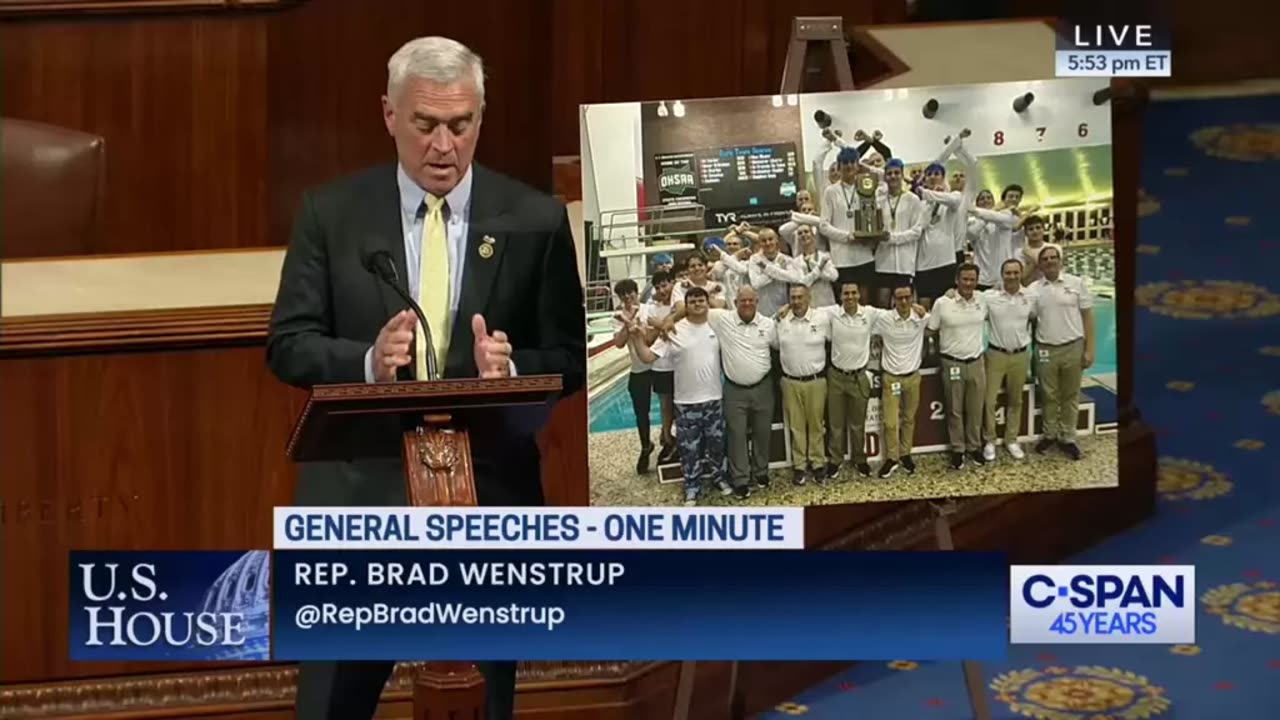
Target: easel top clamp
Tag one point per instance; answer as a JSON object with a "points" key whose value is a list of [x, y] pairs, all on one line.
{"points": [[824, 33]]}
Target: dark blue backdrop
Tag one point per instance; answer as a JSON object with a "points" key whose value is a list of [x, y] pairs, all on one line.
{"points": [[672, 605]]}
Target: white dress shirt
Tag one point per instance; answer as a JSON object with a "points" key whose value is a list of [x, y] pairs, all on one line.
{"points": [[838, 201], [1002, 243], [959, 323], [944, 233], [903, 341], [731, 273], [904, 217], [770, 278], [989, 249], [694, 350], [1058, 307], [802, 343], [1009, 317], [816, 272], [744, 346]]}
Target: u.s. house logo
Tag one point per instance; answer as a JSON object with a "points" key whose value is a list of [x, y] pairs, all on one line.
{"points": [[170, 606]]}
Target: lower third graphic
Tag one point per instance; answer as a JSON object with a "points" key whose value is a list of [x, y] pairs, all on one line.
{"points": [[1102, 604]]}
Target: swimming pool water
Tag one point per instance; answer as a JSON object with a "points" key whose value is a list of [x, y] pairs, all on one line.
{"points": [[611, 410]]}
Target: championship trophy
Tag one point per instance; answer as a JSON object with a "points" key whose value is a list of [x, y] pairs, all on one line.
{"points": [[868, 221]]}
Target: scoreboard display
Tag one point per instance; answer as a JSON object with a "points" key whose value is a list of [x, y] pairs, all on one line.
{"points": [[747, 183]]}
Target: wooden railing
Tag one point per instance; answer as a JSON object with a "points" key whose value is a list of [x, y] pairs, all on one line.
{"points": [[28, 8]]}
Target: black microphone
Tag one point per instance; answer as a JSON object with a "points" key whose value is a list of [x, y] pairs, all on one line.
{"points": [[379, 263]]}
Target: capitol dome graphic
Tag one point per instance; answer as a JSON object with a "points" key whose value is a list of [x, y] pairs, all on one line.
{"points": [[245, 588]]}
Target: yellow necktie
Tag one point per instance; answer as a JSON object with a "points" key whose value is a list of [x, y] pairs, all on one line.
{"points": [[433, 286]]}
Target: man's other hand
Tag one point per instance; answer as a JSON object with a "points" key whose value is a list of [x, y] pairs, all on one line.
{"points": [[391, 349], [492, 352]]}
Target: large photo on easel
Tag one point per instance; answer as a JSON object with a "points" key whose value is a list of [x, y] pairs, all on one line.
{"points": [[849, 297]]}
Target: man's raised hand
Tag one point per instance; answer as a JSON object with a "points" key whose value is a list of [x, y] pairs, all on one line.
{"points": [[391, 349]]}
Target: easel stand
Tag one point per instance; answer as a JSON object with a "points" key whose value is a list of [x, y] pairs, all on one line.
{"points": [[826, 33], [973, 680]]}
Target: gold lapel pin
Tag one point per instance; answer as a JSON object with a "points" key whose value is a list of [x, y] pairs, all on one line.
{"points": [[486, 250]]}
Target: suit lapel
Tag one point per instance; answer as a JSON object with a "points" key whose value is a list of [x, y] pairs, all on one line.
{"points": [[485, 245], [388, 234]]}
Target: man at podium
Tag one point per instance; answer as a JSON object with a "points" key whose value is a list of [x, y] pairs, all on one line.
{"points": [[490, 261]]}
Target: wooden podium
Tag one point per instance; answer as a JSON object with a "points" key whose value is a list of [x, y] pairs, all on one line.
{"points": [[360, 421]]}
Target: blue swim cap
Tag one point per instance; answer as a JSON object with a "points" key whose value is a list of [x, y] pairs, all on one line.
{"points": [[893, 163], [663, 259]]}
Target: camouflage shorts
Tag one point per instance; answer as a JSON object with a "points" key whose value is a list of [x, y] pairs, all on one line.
{"points": [[700, 437]]}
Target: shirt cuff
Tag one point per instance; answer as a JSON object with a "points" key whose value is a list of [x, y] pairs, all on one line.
{"points": [[368, 365], [511, 365]]}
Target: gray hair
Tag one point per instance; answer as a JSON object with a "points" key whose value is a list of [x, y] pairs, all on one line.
{"points": [[439, 59]]}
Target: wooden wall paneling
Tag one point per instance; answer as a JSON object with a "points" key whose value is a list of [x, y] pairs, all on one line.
{"points": [[151, 450], [46, 8], [178, 100], [630, 50], [324, 108]]}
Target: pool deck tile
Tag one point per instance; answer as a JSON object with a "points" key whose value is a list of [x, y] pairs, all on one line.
{"points": [[612, 456]]}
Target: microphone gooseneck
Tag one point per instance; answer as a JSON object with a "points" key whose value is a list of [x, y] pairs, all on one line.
{"points": [[380, 264]]}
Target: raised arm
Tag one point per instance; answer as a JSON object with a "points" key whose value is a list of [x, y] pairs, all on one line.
{"points": [[951, 199], [785, 270], [953, 143], [827, 269], [756, 274], [730, 261], [640, 344], [1003, 219], [971, 175]]}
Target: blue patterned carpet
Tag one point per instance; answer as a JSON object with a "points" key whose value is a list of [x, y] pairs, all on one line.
{"points": [[1208, 381]]}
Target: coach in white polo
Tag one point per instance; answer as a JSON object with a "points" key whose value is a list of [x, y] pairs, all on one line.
{"points": [[1010, 309], [746, 337], [1064, 349], [902, 332], [959, 320], [802, 350], [850, 326]]}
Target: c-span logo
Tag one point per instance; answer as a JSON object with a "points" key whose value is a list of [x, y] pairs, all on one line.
{"points": [[1102, 604]]}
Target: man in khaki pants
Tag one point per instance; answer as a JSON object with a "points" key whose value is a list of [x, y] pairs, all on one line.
{"points": [[848, 382], [959, 319], [802, 349], [902, 331], [1010, 308], [1064, 349]]}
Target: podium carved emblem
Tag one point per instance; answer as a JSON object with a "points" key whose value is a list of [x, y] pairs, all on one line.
{"points": [[437, 450], [438, 466]]}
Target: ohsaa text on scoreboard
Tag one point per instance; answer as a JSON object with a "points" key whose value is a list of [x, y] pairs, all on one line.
{"points": [[498, 528]]}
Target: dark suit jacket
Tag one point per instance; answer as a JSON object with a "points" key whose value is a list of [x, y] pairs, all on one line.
{"points": [[329, 309]]}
